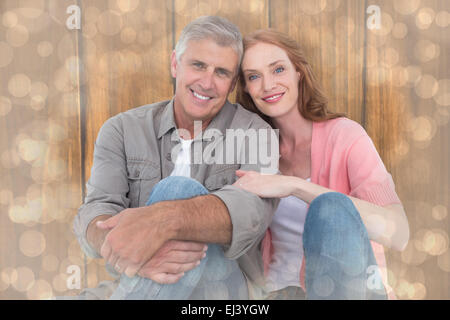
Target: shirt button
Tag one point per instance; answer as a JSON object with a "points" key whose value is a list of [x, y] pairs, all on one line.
{"points": [[169, 157], [137, 173], [224, 181]]}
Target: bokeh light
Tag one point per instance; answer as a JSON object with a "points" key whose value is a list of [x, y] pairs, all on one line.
{"points": [[32, 243], [406, 7]]}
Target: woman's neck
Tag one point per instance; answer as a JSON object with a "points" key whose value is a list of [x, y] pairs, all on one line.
{"points": [[295, 130]]}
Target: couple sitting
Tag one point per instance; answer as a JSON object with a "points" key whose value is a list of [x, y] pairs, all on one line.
{"points": [[173, 227]]}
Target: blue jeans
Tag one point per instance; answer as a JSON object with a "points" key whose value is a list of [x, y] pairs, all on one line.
{"points": [[216, 277], [340, 263]]}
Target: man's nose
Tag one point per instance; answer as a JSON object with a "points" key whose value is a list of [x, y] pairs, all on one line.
{"points": [[207, 80]]}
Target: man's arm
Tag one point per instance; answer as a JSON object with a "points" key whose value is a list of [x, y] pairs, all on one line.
{"points": [[135, 235]]}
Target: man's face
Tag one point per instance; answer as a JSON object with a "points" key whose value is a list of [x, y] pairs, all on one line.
{"points": [[205, 75]]}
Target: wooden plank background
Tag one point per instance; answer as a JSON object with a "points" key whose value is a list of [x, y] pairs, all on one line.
{"points": [[58, 86]]}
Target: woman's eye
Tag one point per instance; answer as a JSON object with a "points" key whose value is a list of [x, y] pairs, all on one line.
{"points": [[252, 77], [279, 69]]}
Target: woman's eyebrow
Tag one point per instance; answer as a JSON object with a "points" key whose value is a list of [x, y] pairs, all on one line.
{"points": [[269, 65]]}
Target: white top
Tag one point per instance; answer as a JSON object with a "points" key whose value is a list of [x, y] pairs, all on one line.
{"points": [[183, 162], [287, 241]]}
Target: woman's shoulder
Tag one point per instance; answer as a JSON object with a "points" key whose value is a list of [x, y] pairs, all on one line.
{"points": [[341, 127]]}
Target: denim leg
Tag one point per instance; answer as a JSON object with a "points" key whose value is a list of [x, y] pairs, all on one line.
{"points": [[340, 263], [214, 272]]}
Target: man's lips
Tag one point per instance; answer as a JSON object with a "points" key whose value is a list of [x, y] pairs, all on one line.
{"points": [[200, 96], [273, 97]]}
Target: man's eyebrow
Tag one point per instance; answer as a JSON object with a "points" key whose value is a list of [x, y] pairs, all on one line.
{"points": [[270, 65]]}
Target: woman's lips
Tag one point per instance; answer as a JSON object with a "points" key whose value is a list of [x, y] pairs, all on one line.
{"points": [[273, 97]]}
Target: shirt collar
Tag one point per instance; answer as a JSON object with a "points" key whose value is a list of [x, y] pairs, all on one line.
{"points": [[218, 123]]}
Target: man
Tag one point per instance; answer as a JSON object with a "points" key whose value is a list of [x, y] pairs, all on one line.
{"points": [[150, 218]]}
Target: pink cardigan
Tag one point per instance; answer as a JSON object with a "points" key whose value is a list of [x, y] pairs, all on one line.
{"points": [[344, 159]]}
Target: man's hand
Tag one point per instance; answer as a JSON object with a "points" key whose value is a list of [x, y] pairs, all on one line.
{"points": [[172, 260], [134, 236]]}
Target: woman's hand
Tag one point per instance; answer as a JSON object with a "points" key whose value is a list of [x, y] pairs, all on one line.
{"points": [[264, 185]]}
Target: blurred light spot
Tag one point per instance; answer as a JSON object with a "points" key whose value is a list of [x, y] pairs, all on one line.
{"points": [[32, 243], [406, 6], [30, 150], [435, 242], [442, 19], [443, 261], [442, 97], [89, 30], [25, 279], [41, 290], [426, 87], [128, 35], [411, 255], [31, 8], [127, 5], [311, 7], [423, 128], [402, 148], [424, 18], [9, 19], [109, 23], [44, 49], [5, 106], [145, 37], [425, 50], [400, 30], [439, 212], [6, 54], [17, 36], [391, 57], [60, 282], [19, 85], [418, 292]]}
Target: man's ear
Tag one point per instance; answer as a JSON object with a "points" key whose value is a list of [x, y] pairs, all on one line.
{"points": [[173, 64]]}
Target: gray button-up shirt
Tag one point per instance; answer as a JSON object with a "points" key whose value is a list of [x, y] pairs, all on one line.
{"points": [[136, 149]]}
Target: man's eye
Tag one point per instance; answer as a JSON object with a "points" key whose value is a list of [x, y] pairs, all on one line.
{"points": [[222, 73], [279, 69], [198, 65]]}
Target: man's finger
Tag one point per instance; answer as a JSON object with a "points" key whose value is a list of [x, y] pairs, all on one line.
{"points": [[184, 256], [188, 245], [108, 223], [165, 278]]}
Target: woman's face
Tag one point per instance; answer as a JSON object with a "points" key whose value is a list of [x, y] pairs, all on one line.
{"points": [[270, 79]]}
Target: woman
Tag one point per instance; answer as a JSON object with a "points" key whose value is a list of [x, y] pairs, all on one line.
{"points": [[339, 204]]}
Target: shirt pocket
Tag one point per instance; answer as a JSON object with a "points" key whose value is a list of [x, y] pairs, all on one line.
{"points": [[220, 176], [142, 176]]}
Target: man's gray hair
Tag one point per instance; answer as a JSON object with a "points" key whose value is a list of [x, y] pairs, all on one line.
{"points": [[218, 29]]}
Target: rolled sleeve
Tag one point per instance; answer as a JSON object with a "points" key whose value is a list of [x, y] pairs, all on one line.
{"points": [[250, 217], [107, 187]]}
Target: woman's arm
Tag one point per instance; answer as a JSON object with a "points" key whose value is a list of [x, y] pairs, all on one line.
{"points": [[386, 225]]}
